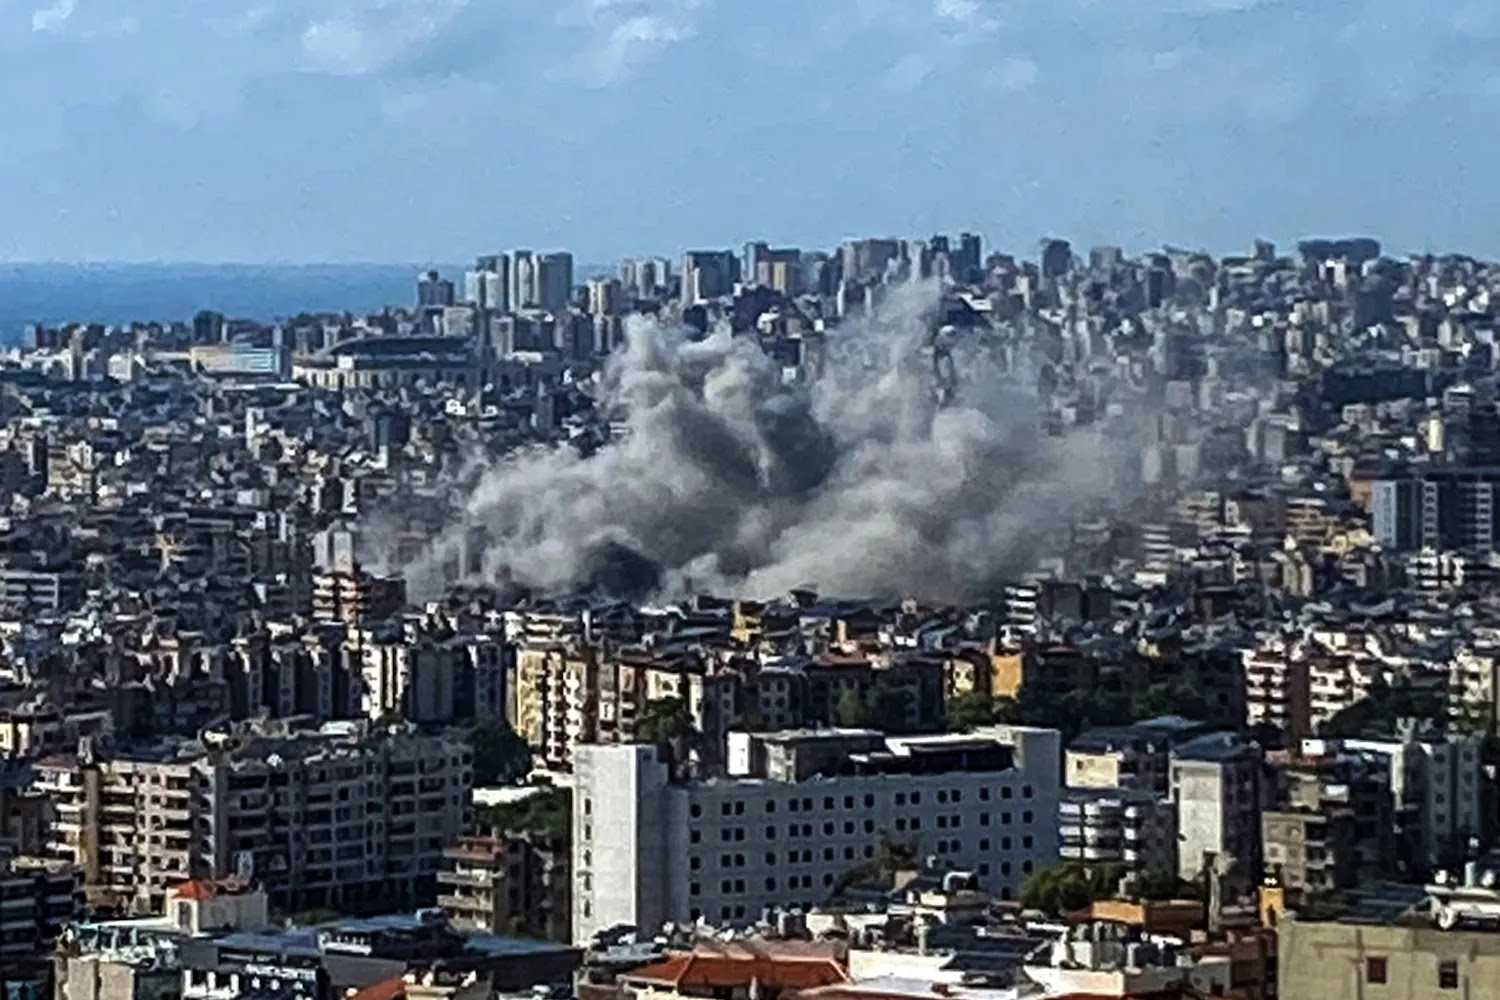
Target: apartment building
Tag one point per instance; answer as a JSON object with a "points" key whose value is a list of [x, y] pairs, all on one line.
{"points": [[1134, 828], [429, 679], [799, 810], [1218, 789], [1308, 849], [1278, 690], [1435, 783], [347, 815], [38, 897], [507, 885]]}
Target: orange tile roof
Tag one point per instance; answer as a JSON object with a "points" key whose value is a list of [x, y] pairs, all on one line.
{"points": [[198, 889], [693, 969], [387, 989]]}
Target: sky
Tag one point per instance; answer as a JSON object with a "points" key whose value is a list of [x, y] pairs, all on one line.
{"points": [[399, 130]]}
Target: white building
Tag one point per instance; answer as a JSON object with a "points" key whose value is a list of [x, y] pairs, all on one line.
{"points": [[1216, 783], [803, 808]]}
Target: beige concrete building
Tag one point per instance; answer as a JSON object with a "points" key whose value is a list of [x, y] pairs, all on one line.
{"points": [[346, 816], [1409, 959]]}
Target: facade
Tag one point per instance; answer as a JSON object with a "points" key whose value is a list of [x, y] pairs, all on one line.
{"points": [[648, 849], [1435, 784], [507, 885], [1133, 828], [1308, 850], [1444, 946], [1217, 786], [342, 816]]}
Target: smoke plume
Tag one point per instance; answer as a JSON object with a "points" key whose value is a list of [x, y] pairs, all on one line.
{"points": [[865, 481]]}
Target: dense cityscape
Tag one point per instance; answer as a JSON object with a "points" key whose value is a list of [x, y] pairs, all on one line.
{"points": [[901, 620]]}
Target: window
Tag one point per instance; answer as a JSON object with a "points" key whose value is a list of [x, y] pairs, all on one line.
{"points": [[869, 801], [770, 885], [770, 806], [984, 819], [900, 798], [1375, 969], [942, 796], [916, 798], [694, 811], [694, 836], [1448, 974], [1006, 792], [1025, 791], [828, 802], [1026, 816], [770, 833], [984, 795], [848, 802]]}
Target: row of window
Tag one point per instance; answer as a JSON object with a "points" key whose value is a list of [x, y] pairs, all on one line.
{"points": [[736, 886], [1377, 972], [805, 857], [806, 803]]}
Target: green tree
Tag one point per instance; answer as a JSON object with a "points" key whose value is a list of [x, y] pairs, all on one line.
{"points": [[1069, 886], [667, 724], [1383, 707], [892, 855], [1175, 696], [500, 755], [663, 721], [969, 710], [852, 709], [545, 815]]}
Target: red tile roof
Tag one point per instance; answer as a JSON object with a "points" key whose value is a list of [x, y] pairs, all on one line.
{"points": [[695, 970]]}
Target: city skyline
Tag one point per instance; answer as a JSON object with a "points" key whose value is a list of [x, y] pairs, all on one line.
{"points": [[372, 131]]}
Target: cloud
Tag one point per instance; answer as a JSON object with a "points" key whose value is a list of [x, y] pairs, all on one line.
{"points": [[1012, 75], [972, 15], [366, 38], [909, 73], [629, 44], [53, 16], [625, 35]]}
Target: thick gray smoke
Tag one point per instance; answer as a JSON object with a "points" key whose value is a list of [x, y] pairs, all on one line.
{"points": [[730, 480]]}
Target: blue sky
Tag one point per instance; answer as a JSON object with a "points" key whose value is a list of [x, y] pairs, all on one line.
{"points": [[386, 130]]}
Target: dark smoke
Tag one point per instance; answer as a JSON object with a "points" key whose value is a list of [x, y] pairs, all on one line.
{"points": [[870, 481]]}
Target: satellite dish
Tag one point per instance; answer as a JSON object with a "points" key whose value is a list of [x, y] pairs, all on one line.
{"points": [[1447, 918], [1488, 879], [244, 864]]}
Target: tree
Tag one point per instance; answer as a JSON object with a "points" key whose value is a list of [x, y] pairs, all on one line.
{"points": [[1069, 886], [667, 724], [1176, 696], [544, 815], [662, 721], [969, 710], [1382, 708], [500, 755], [851, 711], [892, 855]]}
